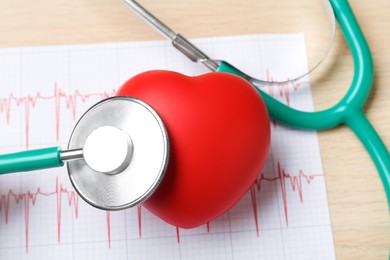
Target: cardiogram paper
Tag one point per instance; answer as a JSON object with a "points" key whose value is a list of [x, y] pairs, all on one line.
{"points": [[44, 90]]}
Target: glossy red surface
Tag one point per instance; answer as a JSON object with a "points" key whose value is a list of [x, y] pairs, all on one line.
{"points": [[219, 134]]}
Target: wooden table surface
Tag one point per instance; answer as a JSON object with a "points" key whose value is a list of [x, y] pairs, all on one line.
{"points": [[358, 206]]}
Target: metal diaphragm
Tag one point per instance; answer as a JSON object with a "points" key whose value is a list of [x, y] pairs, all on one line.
{"points": [[139, 178]]}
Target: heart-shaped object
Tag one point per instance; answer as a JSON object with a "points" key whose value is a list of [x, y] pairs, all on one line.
{"points": [[219, 133]]}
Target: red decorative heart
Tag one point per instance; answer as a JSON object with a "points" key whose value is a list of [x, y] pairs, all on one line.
{"points": [[219, 134]]}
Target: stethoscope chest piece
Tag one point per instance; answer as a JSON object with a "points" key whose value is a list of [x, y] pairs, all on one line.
{"points": [[125, 149]]}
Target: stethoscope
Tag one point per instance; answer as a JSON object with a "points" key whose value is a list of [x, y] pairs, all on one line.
{"points": [[109, 148]]}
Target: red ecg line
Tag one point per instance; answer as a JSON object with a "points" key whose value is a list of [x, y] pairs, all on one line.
{"points": [[284, 89], [30, 102], [282, 178], [29, 198]]}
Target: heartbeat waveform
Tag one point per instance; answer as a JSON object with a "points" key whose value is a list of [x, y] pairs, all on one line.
{"points": [[282, 90], [282, 177], [29, 198], [30, 102]]}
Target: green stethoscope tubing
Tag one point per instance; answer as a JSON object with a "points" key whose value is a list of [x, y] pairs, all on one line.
{"points": [[349, 110]]}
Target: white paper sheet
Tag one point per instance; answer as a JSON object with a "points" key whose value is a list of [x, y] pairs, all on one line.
{"points": [[43, 90]]}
